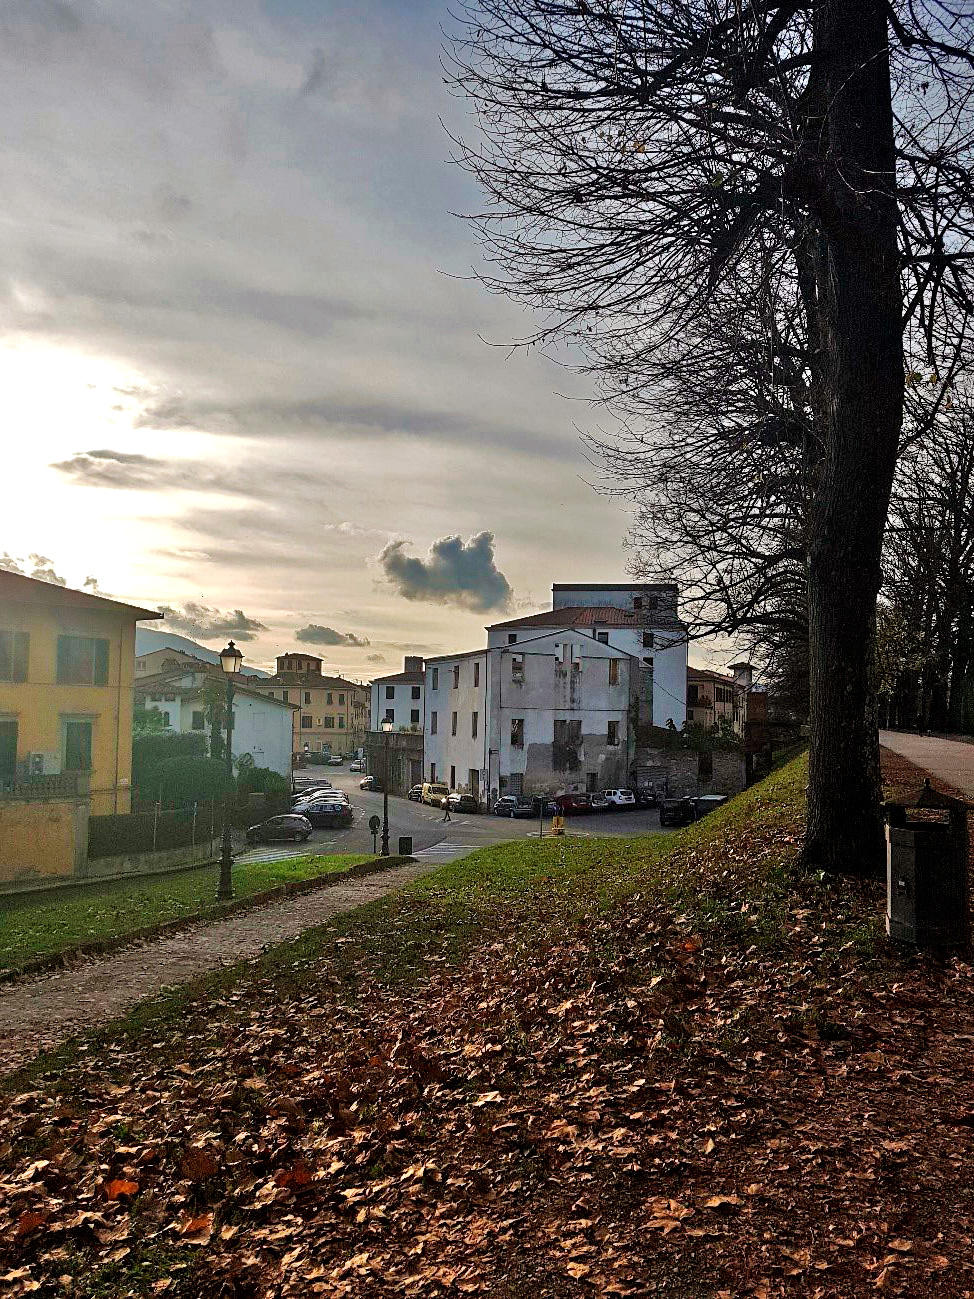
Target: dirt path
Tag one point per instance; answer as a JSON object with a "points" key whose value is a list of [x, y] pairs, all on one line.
{"points": [[39, 1014]]}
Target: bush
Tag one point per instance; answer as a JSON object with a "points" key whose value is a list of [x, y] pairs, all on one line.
{"points": [[261, 780], [188, 780], [150, 751], [136, 832]]}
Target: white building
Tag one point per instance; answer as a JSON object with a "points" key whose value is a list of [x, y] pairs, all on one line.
{"points": [[262, 725], [546, 714], [399, 698]]}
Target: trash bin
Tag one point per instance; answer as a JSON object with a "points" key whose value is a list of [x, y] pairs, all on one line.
{"points": [[405, 845], [926, 877]]}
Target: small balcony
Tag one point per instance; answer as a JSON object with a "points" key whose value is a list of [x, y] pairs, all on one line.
{"points": [[25, 788]]}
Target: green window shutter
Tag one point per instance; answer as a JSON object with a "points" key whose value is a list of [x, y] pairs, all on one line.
{"points": [[77, 746], [64, 659], [101, 662], [21, 655]]}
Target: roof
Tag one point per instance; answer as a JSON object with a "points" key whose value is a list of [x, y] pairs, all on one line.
{"points": [[401, 679], [162, 680], [586, 616], [314, 680], [614, 586], [466, 654], [706, 674], [15, 586]]}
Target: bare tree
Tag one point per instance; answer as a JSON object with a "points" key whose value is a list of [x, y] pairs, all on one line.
{"points": [[644, 159]]}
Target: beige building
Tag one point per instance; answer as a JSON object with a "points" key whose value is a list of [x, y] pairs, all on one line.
{"points": [[332, 713], [714, 697]]}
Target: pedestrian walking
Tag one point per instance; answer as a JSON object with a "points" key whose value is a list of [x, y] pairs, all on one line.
{"points": [[445, 804]]}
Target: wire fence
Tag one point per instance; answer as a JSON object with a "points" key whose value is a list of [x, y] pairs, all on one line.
{"points": [[155, 828]]}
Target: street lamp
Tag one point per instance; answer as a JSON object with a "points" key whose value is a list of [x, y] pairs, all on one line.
{"points": [[386, 728], [230, 660]]}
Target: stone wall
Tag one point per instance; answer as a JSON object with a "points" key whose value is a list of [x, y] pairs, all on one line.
{"points": [[405, 758]]}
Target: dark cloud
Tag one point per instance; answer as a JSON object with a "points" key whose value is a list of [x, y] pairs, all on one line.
{"points": [[37, 566], [313, 634], [375, 658], [454, 572], [209, 624]]}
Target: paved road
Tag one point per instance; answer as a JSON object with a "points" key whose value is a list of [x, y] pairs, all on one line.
{"points": [[951, 760], [433, 839]]}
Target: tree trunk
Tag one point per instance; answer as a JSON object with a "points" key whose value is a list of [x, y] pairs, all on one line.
{"points": [[860, 308]]}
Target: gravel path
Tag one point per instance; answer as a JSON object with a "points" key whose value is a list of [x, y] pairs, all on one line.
{"points": [[39, 1014]]}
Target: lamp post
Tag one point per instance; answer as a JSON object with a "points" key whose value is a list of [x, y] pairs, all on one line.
{"points": [[386, 728], [230, 660]]}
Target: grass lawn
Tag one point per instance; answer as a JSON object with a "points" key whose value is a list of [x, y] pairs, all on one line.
{"points": [[42, 925], [677, 1066]]}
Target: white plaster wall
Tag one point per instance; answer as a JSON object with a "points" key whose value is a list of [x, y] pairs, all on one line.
{"points": [[402, 705], [462, 751]]}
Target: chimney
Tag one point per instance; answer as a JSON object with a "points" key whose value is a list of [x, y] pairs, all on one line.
{"points": [[743, 675], [412, 663]]}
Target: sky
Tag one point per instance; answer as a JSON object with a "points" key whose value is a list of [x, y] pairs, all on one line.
{"points": [[243, 367]]}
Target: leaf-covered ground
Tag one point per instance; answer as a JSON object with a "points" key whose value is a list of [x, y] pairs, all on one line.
{"points": [[670, 1067]]}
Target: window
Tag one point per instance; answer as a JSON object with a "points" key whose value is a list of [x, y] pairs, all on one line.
{"points": [[453, 724], [566, 755], [692, 699], [390, 693], [515, 784], [415, 692], [432, 773], [341, 699], [476, 674], [328, 696], [648, 640], [14, 648], [165, 718], [591, 781], [82, 661], [414, 717], [453, 777], [199, 720], [512, 638], [456, 676], [517, 732], [432, 723], [307, 696], [305, 722], [330, 723], [613, 672], [284, 695], [517, 668], [612, 739], [652, 602], [637, 601], [602, 637], [8, 750], [156, 699], [474, 719], [341, 723], [473, 781], [436, 679], [169, 699], [77, 740], [389, 717]]}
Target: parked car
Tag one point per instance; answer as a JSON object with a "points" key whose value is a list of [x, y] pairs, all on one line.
{"points": [[508, 805], [434, 792], [541, 803], [650, 795], [415, 795], [677, 811], [463, 803], [597, 802], [328, 812], [303, 795], [574, 804], [288, 826], [356, 765], [707, 803], [620, 798], [336, 760], [328, 796], [371, 782]]}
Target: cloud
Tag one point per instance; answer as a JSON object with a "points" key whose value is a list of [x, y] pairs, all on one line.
{"points": [[210, 624], [455, 572], [313, 634], [39, 566], [375, 658]]}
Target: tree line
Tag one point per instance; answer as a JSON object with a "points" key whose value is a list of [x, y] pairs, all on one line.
{"points": [[752, 224]]}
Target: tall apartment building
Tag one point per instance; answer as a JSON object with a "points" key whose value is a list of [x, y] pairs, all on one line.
{"points": [[332, 714]]}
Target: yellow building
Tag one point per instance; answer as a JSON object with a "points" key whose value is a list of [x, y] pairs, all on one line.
{"points": [[67, 663], [333, 713]]}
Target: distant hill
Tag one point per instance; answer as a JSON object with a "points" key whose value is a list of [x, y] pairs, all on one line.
{"points": [[147, 640]]}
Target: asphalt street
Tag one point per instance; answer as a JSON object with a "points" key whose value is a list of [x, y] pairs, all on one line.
{"points": [[432, 837]]}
